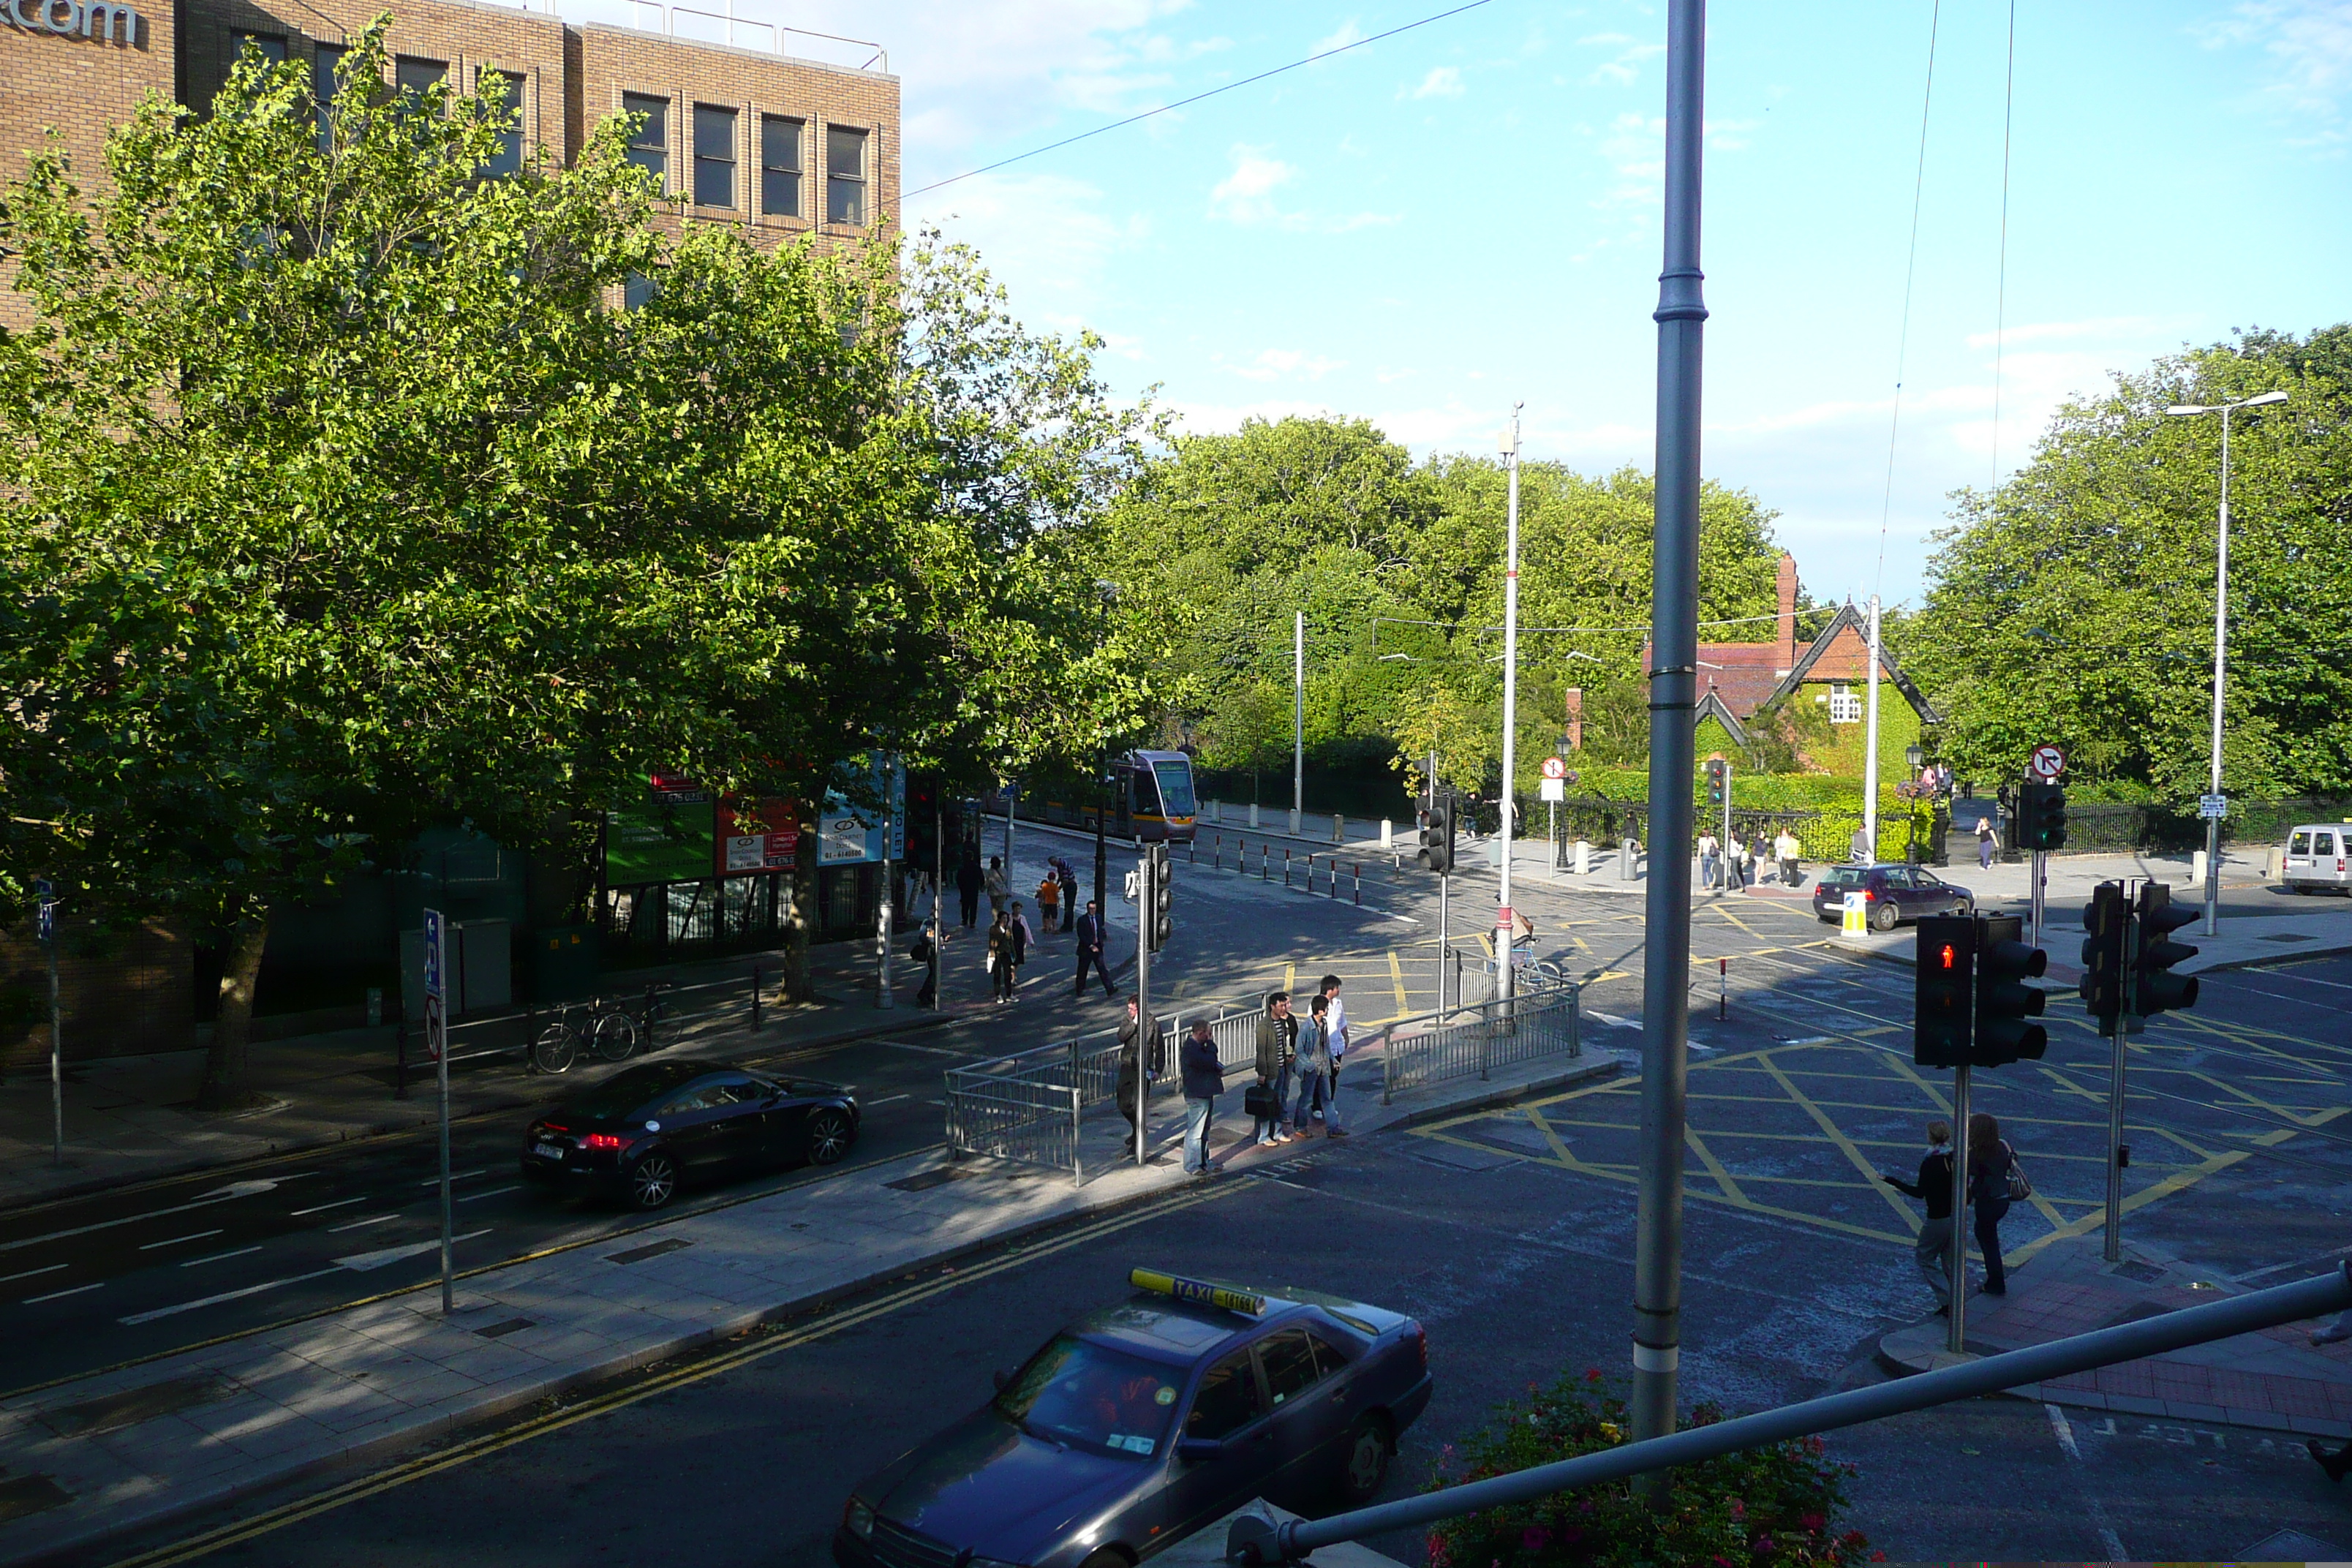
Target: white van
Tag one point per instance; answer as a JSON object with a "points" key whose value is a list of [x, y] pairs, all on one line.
{"points": [[2316, 855]]}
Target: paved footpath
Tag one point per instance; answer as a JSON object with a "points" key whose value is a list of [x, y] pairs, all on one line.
{"points": [[98, 1456], [2273, 1381]]}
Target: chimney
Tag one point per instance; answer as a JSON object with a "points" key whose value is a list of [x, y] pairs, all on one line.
{"points": [[1786, 658], [1575, 718]]}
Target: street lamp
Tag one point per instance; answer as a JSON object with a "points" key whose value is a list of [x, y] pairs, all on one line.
{"points": [[1913, 755], [2221, 637], [1505, 980], [1108, 592]]}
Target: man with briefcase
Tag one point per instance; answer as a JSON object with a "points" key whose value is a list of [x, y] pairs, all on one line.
{"points": [[1277, 1044]]}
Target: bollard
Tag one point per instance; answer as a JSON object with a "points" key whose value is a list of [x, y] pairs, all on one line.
{"points": [[1388, 833], [1722, 989], [755, 997], [1583, 857], [1253, 814], [1335, 876], [1339, 828], [1264, 862], [1359, 884], [1286, 868]]}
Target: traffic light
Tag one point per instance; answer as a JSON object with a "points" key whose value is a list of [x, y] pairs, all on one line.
{"points": [[2155, 988], [2103, 954], [2042, 816], [1437, 839], [1718, 779], [1946, 991], [2004, 1002], [1159, 920]]}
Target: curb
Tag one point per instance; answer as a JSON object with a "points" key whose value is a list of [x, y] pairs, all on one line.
{"points": [[1589, 1072]]}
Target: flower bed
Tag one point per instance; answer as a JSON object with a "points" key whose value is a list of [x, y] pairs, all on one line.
{"points": [[1763, 1508]]}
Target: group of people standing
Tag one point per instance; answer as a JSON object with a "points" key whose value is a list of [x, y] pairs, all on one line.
{"points": [[1735, 865], [1994, 1181], [1010, 935], [1310, 1048]]}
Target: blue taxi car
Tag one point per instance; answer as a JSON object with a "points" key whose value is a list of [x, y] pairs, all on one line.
{"points": [[1141, 1423]]}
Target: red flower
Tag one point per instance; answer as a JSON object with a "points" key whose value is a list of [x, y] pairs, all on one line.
{"points": [[1878, 1557], [1739, 1508], [1533, 1539], [1811, 1522], [1593, 1374]]}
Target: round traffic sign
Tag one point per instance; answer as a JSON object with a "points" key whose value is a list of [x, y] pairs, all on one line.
{"points": [[2047, 763], [1553, 768]]}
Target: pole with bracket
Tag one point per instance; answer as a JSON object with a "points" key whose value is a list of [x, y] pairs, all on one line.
{"points": [[1956, 1343]]}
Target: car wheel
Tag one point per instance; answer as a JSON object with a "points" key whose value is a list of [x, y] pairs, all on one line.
{"points": [[653, 1181], [829, 1137], [1107, 1557], [1368, 1461], [1883, 917]]}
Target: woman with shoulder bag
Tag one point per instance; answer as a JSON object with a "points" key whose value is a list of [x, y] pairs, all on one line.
{"points": [[1995, 1181]]}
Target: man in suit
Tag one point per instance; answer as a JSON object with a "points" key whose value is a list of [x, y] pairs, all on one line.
{"points": [[1090, 950]]}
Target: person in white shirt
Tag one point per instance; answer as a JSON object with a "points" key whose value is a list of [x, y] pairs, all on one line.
{"points": [[1788, 852], [1335, 1019]]}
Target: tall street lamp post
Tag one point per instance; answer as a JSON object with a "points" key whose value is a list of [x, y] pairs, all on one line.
{"points": [[1506, 983], [2221, 638]]}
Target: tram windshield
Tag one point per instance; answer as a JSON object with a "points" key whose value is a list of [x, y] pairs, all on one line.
{"points": [[1175, 777]]}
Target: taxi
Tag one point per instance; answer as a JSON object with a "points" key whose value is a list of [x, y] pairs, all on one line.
{"points": [[1140, 1423]]}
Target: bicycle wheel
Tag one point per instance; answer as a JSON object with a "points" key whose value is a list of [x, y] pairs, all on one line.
{"points": [[552, 1051], [615, 1038]]}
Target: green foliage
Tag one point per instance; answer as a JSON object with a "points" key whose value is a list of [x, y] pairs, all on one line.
{"points": [[1772, 1507], [2075, 604]]}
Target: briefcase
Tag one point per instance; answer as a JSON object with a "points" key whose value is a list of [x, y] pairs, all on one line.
{"points": [[1259, 1101]]}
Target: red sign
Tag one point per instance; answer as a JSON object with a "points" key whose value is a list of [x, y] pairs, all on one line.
{"points": [[771, 844]]}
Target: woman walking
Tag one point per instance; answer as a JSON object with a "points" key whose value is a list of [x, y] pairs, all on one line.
{"points": [[1000, 958], [1932, 1249], [1990, 1161]]}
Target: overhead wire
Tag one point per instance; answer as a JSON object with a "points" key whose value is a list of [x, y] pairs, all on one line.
{"points": [[2000, 288], [1910, 273]]}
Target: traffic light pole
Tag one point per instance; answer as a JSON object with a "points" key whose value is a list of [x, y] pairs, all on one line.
{"points": [[2114, 1249], [1445, 883], [2040, 873], [1957, 1342], [1147, 910]]}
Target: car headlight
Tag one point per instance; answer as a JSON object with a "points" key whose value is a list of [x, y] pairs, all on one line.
{"points": [[859, 1519]]}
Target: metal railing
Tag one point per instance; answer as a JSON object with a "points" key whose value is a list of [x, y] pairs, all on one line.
{"points": [[1461, 1041], [667, 14]]}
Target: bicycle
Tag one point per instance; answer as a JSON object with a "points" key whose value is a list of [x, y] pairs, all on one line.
{"points": [[606, 1032]]}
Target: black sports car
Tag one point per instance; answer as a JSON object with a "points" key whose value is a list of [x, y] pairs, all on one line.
{"points": [[642, 1132]]}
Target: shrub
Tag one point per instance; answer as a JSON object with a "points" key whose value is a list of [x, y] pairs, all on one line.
{"points": [[1761, 1508]]}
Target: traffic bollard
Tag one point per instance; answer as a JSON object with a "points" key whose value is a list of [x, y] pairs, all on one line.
{"points": [[1286, 868], [1360, 883], [755, 997], [1722, 988]]}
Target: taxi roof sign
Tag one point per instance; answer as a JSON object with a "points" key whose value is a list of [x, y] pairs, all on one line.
{"points": [[1199, 1292]]}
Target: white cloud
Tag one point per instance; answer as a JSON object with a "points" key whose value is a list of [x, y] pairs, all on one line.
{"points": [[1442, 81], [2309, 43], [1348, 33], [1247, 196], [1623, 69], [1049, 231]]}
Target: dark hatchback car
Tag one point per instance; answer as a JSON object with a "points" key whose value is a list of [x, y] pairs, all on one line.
{"points": [[1893, 894], [1140, 1424], [643, 1131]]}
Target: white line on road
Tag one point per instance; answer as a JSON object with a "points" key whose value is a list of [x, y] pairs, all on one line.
{"points": [[361, 1262], [55, 1294], [216, 1257], [2109, 1542], [455, 1176], [29, 1273], [888, 1098], [338, 1203], [514, 1187], [192, 1235], [371, 1219], [217, 1196]]}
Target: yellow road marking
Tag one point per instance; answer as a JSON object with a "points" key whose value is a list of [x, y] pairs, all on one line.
{"points": [[2097, 1219], [1846, 1144], [1396, 975], [1714, 1166]]}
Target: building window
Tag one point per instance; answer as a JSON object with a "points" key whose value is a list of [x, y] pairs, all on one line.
{"points": [[415, 78], [638, 291], [322, 90], [272, 45], [1845, 707], [507, 159], [649, 142], [780, 165], [714, 156], [845, 175]]}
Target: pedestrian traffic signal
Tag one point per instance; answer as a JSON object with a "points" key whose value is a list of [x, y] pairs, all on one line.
{"points": [[2042, 816], [2004, 1002], [1946, 991], [1159, 883], [2155, 988], [2103, 954], [1718, 781], [1437, 839]]}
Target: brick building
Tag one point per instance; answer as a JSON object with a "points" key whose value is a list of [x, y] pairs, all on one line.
{"points": [[782, 147]]}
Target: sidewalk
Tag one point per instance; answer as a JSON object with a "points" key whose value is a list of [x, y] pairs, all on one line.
{"points": [[130, 1119], [130, 1448], [2273, 1381]]}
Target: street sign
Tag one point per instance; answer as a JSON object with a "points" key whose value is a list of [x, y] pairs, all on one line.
{"points": [[44, 896], [1554, 768], [2213, 807], [1550, 789], [2047, 763], [433, 939]]}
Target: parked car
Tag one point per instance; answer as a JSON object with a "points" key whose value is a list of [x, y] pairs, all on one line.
{"points": [[643, 1131], [2317, 854], [1139, 1424], [1895, 894]]}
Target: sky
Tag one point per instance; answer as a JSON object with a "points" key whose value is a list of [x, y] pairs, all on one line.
{"points": [[1431, 228]]}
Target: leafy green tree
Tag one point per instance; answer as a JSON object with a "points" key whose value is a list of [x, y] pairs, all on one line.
{"points": [[2075, 604]]}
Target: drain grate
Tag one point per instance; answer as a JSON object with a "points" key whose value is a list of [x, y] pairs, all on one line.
{"points": [[2286, 936], [655, 1249], [112, 1412], [501, 1331], [2145, 1273]]}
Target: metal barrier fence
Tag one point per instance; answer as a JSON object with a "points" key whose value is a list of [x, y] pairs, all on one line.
{"points": [[1031, 1106]]}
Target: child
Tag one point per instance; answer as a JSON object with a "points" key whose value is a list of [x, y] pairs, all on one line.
{"points": [[1049, 899], [1932, 1251]]}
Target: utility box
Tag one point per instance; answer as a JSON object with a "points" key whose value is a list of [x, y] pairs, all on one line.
{"points": [[564, 963]]}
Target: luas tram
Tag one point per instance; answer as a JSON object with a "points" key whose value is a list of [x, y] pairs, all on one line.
{"points": [[1148, 801]]}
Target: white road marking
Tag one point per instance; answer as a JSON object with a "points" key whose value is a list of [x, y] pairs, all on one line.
{"points": [[354, 1225], [217, 1257], [217, 1196], [338, 1203], [361, 1262], [494, 1191], [888, 1099], [54, 1295], [193, 1235], [455, 1176], [29, 1273], [2112, 1544]]}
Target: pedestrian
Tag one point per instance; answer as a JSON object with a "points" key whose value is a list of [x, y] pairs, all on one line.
{"points": [[1859, 845], [1090, 950], [1049, 902], [1992, 1173], [1315, 1072], [1142, 1057], [1000, 959], [1933, 1248], [1204, 1079], [1788, 852], [926, 953], [1985, 843], [1277, 1044], [1739, 865], [1021, 935], [1710, 856], [1330, 987], [1000, 885], [1069, 879], [968, 883]]}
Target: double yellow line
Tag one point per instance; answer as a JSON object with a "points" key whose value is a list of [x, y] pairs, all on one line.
{"points": [[825, 1325]]}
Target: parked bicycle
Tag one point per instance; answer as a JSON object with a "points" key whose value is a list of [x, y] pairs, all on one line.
{"points": [[599, 1028]]}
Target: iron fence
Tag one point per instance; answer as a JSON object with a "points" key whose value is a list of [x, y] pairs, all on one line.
{"points": [[1461, 1041]]}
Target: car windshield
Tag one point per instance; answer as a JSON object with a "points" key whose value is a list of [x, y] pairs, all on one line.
{"points": [[1077, 1392], [626, 1091]]}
